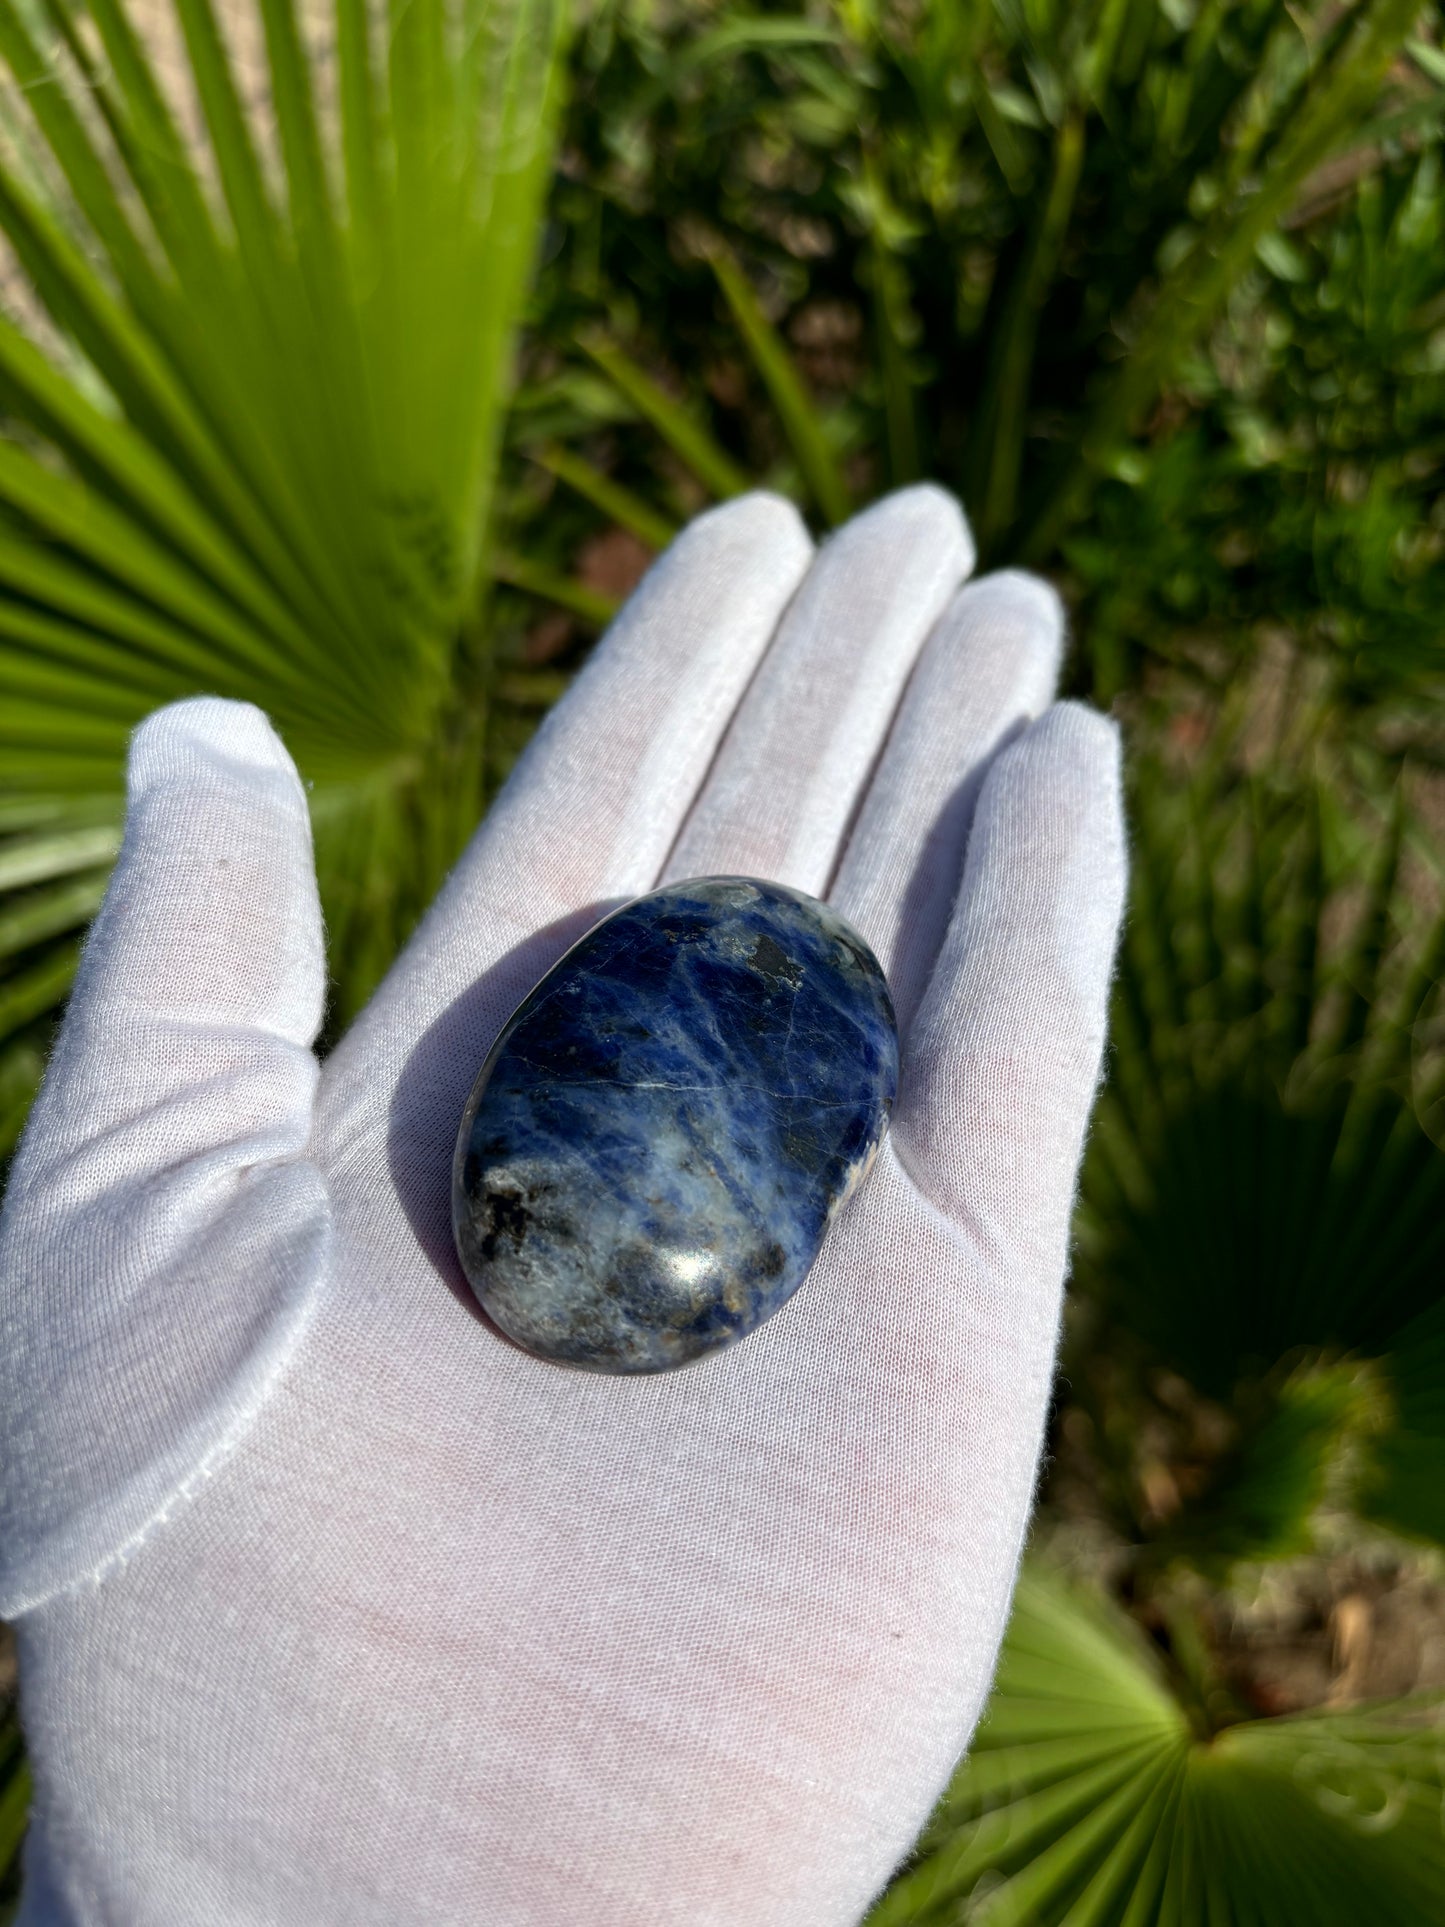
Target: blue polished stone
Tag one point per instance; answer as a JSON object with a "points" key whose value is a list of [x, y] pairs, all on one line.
{"points": [[654, 1148]]}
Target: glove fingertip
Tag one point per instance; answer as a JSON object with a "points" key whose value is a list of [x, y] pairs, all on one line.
{"points": [[923, 515], [1074, 735], [763, 525], [205, 730]]}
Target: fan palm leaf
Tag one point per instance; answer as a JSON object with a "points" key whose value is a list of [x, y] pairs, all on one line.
{"points": [[1261, 1187], [249, 415], [1092, 1799]]}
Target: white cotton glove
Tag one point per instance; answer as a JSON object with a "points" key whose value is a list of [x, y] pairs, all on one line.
{"points": [[333, 1607]]}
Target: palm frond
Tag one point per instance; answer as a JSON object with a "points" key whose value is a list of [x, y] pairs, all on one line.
{"points": [[250, 425], [1091, 1797], [1260, 1183]]}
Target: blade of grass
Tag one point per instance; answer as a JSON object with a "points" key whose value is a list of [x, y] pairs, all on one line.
{"points": [[14, 1809], [627, 510], [588, 604], [889, 300], [796, 412], [684, 435], [534, 689], [1003, 416]]}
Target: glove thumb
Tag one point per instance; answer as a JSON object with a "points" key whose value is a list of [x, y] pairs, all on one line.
{"points": [[163, 1236]]}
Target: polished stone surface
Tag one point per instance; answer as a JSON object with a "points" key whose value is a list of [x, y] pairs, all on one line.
{"points": [[655, 1146]]}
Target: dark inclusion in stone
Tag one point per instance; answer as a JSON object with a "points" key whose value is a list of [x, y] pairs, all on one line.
{"points": [[656, 1144]]}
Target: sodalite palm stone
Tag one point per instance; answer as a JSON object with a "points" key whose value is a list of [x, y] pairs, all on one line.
{"points": [[661, 1134]]}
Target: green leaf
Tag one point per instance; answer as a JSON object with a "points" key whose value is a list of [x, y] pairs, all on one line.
{"points": [[1089, 1798], [590, 604], [21, 1065], [1001, 423], [1264, 1497], [677, 425], [747, 33], [796, 413], [627, 510], [1288, 1201], [39, 914], [1430, 60], [29, 993], [890, 304], [37, 859], [251, 451], [1196, 288]]}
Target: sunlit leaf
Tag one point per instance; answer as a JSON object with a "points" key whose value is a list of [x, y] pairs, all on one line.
{"points": [[1090, 1797], [252, 428], [796, 410]]}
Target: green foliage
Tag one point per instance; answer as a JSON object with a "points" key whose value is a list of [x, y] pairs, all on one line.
{"points": [[1091, 1797], [785, 389], [688, 440], [1158, 289], [1296, 489], [1253, 1380], [250, 429], [1262, 1142], [1266, 1494], [1262, 1149]]}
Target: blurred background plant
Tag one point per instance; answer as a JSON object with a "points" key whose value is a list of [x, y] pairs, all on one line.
{"points": [[1158, 286]]}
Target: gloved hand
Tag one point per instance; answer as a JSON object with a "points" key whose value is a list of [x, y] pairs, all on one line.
{"points": [[333, 1606]]}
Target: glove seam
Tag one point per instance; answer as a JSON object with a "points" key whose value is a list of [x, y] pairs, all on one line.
{"points": [[298, 1312]]}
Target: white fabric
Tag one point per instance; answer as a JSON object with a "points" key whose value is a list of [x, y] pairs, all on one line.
{"points": [[335, 1608]]}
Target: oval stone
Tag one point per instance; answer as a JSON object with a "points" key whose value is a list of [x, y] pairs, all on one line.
{"points": [[661, 1134]]}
